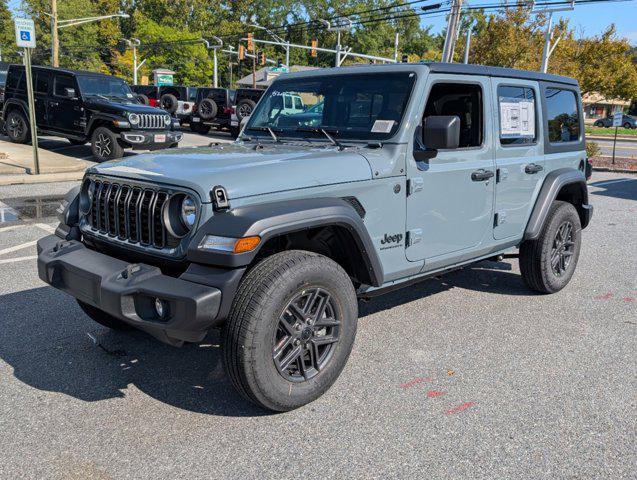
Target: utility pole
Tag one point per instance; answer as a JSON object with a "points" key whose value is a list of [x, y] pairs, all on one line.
{"points": [[396, 47], [55, 43], [467, 45], [338, 29], [134, 43], [548, 49], [214, 48], [452, 31]]}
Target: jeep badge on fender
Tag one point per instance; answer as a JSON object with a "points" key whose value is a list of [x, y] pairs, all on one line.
{"points": [[333, 198]]}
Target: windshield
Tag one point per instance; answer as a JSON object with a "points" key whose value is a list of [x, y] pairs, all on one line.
{"points": [[353, 106], [108, 87]]}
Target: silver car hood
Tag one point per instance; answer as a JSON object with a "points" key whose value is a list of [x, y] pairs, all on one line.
{"points": [[243, 170]]}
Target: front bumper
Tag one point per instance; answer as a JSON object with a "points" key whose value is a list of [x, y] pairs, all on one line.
{"points": [[149, 139], [128, 291]]}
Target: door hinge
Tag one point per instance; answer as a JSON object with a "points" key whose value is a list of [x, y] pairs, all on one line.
{"points": [[499, 218], [414, 236], [414, 185], [501, 174]]}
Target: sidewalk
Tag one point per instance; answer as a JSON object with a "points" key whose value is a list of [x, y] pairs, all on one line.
{"points": [[16, 165]]}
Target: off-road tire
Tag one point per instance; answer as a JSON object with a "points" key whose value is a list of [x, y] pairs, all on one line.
{"points": [[249, 333], [143, 99], [199, 128], [105, 145], [169, 103], [245, 108], [208, 109], [17, 127], [103, 318], [627, 125], [598, 123], [536, 255]]}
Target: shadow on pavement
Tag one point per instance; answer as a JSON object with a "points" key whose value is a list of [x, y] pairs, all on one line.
{"points": [[45, 339], [625, 189]]}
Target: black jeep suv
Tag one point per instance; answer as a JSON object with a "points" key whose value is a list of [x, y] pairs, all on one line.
{"points": [[83, 107]]}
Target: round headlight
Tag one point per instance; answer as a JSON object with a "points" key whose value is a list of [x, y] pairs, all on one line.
{"points": [[86, 196], [133, 118], [167, 120], [188, 212]]}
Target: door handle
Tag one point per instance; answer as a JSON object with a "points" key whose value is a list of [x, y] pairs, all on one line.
{"points": [[54, 104], [532, 168], [481, 175]]}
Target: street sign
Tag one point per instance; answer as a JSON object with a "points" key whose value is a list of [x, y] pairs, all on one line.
{"points": [[618, 117], [24, 33], [164, 80]]}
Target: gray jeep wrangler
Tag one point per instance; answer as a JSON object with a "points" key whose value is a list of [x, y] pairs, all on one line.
{"points": [[387, 175]]}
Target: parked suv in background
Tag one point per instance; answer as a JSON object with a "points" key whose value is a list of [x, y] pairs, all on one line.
{"points": [[213, 108], [413, 170], [176, 100], [4, 67], [86, 107], [627, 122]]}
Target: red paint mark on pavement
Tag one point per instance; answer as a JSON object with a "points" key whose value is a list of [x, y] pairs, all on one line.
{"points": [[434, 394], [460, 408], [606, 296], [413, 382], [628, 299]]}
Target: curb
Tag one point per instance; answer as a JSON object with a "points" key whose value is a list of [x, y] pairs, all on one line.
{"points": [[611, 137], [42, 178], [614, 170]]}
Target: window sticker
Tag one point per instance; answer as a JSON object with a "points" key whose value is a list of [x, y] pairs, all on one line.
{"points": [[382, 126], [517, 117]]}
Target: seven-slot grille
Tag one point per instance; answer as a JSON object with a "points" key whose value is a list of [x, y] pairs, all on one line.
{"points": [[130, 213], [151, 121]]}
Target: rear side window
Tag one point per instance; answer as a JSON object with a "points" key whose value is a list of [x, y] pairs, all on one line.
{"points": [[41, 82], [62, 82], [16, 79], [517, 115], [562, 115]]}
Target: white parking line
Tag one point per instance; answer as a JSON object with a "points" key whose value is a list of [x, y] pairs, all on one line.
{"points": [[11, 227], [45, 227], [18, 247], [17, 259], [608, 182]]}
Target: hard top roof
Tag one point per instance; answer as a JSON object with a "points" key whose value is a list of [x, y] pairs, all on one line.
{"points": [[68, 70]]}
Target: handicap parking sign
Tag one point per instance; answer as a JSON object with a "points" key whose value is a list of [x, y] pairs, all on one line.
{"points": [[24, 33]]}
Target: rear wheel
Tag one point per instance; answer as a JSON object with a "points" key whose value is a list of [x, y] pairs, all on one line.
{"points": [[548, 262], [208, 109], [627, 125], [244, 108], [169, 102], [598, 123], [103, 318], [17, 127], [291, 329], [105, 145]]}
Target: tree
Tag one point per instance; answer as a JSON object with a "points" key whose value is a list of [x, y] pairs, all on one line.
{"points": [[7, 34]]}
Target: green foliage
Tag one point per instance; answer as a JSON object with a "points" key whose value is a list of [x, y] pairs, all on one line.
{"points": [[592, 149], [7, 34]]}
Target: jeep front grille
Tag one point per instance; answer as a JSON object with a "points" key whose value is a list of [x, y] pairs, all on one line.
{"points": [[130, 212], [151, 121]]}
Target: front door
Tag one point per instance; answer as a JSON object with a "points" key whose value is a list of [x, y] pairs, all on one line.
{"points": [[450, 197], [41, 80], [64, 111]]}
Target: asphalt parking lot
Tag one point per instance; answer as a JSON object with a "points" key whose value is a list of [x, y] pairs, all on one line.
{"points": [[466, 376]]}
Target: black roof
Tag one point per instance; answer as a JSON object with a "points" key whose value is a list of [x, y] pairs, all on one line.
{"points": [[468, 69], [67, 70]]}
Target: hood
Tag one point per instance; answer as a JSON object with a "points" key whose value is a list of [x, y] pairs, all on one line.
{"points": [[241, 169], [119, 106]]}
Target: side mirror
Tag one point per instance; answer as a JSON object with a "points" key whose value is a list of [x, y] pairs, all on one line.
{"points": [[441, 132], [70, 92]]}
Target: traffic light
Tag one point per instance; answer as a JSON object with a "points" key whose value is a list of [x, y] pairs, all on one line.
{"points": [[262, 58], [250, 42], [314, 53], [242, 52]]}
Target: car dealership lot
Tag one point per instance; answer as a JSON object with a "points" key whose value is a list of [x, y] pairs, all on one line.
{"points": [[467, 375]]}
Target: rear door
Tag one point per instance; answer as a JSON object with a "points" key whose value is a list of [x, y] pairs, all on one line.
{"points": [[519, 153], [41, 84], [64, 111]]}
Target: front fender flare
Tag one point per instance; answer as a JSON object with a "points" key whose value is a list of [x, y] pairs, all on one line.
{"points": [[269, 220], [553, 184]]}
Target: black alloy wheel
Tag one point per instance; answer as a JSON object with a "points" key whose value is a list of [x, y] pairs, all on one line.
{"points": [[17, 127], [563, 249], [306, 336]]}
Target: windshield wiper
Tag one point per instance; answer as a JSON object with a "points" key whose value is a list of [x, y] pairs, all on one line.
{"points": [[325, 131], [270, 130]]}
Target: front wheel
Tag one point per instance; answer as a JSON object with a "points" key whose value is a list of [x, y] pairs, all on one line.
{"points": [[291, 329], [104, 145], [17, 127], [548, 262], [598, 123], [627, 125]]}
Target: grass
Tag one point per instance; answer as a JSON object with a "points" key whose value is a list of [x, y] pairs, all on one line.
{"points": [[590, 130]]}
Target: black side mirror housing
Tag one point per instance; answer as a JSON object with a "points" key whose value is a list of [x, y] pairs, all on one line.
{"points": [[70, 92], [441, 132]]}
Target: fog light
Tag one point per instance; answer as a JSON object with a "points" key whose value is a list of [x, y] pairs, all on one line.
{"points": [[161, 307]]}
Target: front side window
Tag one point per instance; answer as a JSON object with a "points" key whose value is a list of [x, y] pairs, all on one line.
{"points": [[562, 115], [461, 100], [62, 82], [349, 106], [517, 115]]}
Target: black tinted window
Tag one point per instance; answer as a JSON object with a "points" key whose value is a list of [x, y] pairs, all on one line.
{"points": [[463, 101], [517, 115], [16, 79], [562, 115], [41, 82], [62, 82]]}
